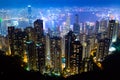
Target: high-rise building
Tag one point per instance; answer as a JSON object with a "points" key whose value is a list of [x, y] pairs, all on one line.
{"points": [[40, 51], [103, 25], [20, 38], [113, 30], [38, 27], [55, 50], [16, 41], [67, 23], [30, 15], [40, 44], [69, 39], [97, 27], [30, 32], [63, 52], [32, 56], [102, 49], [66, 26], [73, 53], [11, 37], [76, 26], [76, 57], [47, 51], [89, 28], [81, 27]]}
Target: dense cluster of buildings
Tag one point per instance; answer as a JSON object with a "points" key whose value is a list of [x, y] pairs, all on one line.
{"points": [[65, 55], [63, 51]]}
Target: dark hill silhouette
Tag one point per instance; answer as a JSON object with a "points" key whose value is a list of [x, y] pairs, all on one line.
{"points": [[111, 66], [10, 69]]}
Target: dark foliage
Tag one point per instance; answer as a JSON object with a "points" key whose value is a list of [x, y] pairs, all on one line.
{"points": [[10, 69]]}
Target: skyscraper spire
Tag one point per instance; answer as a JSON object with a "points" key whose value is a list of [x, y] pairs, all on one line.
{"points": [[29, 15], [76, 19]]}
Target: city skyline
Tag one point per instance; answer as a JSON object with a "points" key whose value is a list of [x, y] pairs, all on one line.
{"points": [[54, 18], [60, 41]]}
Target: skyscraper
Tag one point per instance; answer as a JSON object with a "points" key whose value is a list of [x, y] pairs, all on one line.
{"points": [[76, 57], [38, 26], [40, 51], [32, 56], [69, 39], [20, 38], [103, 25], [112, 29], [56, 52], [30, 15], [76, 26], [40, 44], [11, 37], [73, 53], [103, 49]]}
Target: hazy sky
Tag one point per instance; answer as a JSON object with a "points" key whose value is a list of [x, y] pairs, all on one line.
{"points": [[57, 3]]}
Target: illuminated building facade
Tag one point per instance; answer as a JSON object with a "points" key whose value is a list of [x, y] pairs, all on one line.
{"points": [[63, 52], [88, 45], [113, 30], [84, 43], [40, 44], [89, 28], [56, 53], [76, 57], [30, 15], [73, 53], [16, 40], [40, 50], [38, 27], [47, 51], [65, 26], [30, 32], [69, 40], [103, 24], [32, 56], [20, 38], [11, 37], [102, 49]]}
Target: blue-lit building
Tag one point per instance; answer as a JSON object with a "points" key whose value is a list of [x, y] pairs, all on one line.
{"points": [[30, 15], [76, 26]]}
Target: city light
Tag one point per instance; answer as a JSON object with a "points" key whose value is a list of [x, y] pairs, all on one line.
{"points": [[56, 42], [1, 19], [111, 49]]}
